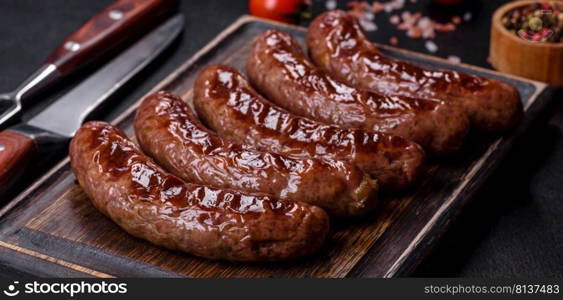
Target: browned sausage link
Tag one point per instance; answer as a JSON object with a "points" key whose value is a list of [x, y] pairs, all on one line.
{"points": [[338, 45], [278, 68], [149, 203], [227, 104], [168, 131]]}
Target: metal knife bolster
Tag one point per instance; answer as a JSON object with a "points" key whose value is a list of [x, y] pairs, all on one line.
{"points": [[49, 146], [67, 114], [35, 83], [26, 151]]}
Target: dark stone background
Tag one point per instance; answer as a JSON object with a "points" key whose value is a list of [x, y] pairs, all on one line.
{"points": [[513, 226]]}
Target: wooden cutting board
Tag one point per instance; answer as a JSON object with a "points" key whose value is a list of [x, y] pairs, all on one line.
{"points": [[52, 229]]}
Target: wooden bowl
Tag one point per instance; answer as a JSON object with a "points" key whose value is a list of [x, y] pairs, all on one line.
{"points": [[514, 55]]}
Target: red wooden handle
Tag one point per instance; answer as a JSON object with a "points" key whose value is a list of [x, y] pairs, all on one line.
{"points": [[114, 27], [16, 151]]}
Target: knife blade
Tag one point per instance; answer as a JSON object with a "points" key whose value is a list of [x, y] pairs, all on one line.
{"points": [[50, 130]]}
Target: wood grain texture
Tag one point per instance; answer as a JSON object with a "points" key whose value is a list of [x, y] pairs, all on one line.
{"points": [[514, 55], [15, 153], [55, 218], [112, 28]]}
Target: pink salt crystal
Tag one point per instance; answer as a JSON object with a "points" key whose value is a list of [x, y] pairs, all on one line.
{"points": [[454, 59], [404, 26], [431, 46], [424, 23], [377, 7], [414, 32], [467, 16], [393, 41], [358, 14], [397, 4], [428, 33], [445, 27], [456, 20], [357, 5], [357, 8], [394, 19], [367, 25], [408, 19]]}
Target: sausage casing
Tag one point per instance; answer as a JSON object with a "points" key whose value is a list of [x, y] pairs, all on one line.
{"points": [[337, 44], [169, 132], [279, 69], [227, 104], [149, 203]]}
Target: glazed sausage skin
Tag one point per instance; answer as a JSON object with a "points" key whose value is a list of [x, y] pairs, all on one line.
{"points": [[226, 103], [279, 69], [129, 188], [169, 132], [338, 45]]}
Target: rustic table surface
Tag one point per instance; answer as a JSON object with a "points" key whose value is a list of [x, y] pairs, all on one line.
{"points": [[513, 227]]}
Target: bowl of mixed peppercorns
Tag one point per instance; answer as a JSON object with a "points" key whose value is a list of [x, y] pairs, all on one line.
{"points": [[527, 40]]}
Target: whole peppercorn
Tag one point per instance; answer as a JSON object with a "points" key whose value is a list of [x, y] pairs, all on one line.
{"points": [[535, 24]]}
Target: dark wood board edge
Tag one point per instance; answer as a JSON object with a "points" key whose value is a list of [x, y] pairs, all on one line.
{"points": [[422, 242], [100, 264], [11, 272]]}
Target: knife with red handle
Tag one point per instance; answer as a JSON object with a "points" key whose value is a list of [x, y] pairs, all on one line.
{"points": [[105, 34]]}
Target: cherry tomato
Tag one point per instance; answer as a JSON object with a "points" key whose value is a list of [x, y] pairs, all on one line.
{"points": [[287, 11]]}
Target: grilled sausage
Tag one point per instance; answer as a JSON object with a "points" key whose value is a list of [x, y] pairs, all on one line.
{"points": [[168, 131], [151, 204], [227, 104], [279, 69], [337, 44]]}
